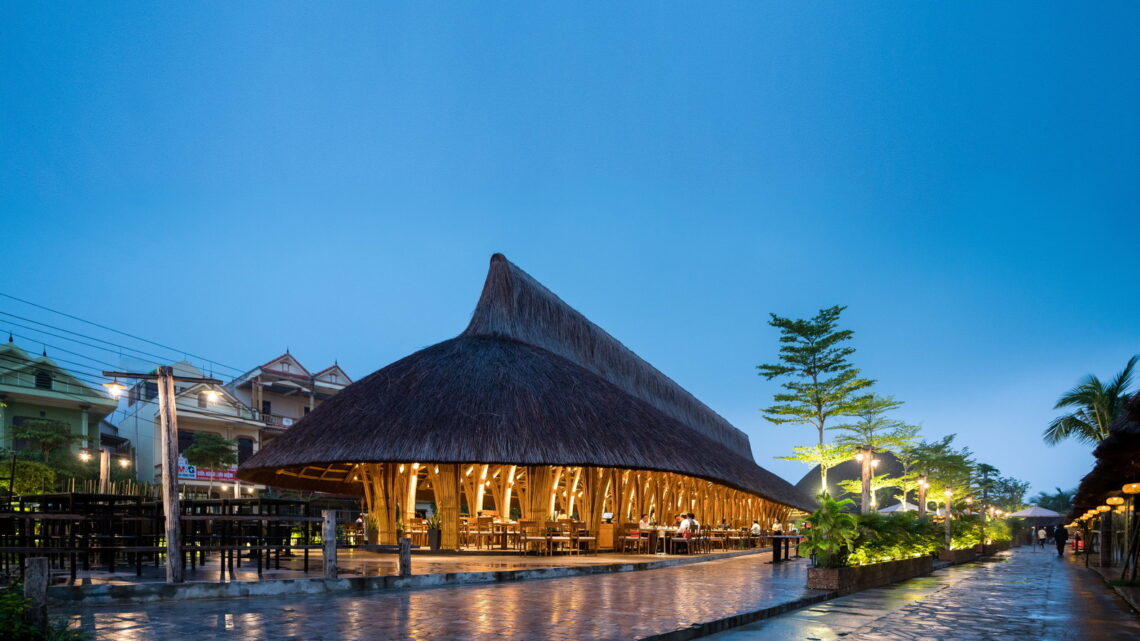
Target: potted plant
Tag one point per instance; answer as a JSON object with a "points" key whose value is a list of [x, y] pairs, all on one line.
{"points": [[434, 531]]}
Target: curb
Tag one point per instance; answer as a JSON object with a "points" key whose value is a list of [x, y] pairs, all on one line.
{"points": [[698, 630], [104, 594]]}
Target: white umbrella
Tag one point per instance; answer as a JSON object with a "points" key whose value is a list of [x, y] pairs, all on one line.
{"points": [[899, 507], [1035, 512]]}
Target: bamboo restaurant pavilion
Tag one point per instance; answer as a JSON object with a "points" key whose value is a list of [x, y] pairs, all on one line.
{"points": [[534, 411]]}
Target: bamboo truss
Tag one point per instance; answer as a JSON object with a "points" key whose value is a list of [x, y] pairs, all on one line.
{"points": [[544, 492]]}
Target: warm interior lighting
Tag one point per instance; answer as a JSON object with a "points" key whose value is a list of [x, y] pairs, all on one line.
{"points": [[1115, 500], [115, 388], [1131, 488]]}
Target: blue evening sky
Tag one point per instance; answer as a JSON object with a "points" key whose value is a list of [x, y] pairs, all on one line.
{"points": [[235, 178]]}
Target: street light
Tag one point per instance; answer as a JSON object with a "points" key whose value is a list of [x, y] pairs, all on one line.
{"points": [[115, 388]]}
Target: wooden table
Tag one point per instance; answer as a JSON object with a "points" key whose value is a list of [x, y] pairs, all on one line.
{"points": [[786, 539]]}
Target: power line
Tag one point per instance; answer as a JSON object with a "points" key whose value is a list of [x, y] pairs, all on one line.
{"points": [[75, 340], [95, 371], [67, 351], [127, 334], [161, 359]]}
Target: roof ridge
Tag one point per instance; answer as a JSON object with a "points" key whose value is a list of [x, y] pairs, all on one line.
{"points": [[514, 304]]}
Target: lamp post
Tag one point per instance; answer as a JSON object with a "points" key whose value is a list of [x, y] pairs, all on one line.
{"points": [[922, 487], [168, 420], [949, 493]]}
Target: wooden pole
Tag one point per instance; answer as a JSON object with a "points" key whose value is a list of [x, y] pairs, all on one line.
{"points": [[328, 542], [35, 590], [922, 485], [104, 471], [405, 556], [169, 424], [865, 460]]}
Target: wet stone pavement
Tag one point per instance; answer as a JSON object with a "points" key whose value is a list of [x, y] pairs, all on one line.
{"points": [[628, 605], [1022, 594]]}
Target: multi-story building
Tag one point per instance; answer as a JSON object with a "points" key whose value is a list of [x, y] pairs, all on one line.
{"points": [[283, 391], [36, 387], [199, 407], [250, 410]]}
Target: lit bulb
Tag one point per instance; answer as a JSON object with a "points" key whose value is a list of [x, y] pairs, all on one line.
{"points": [[124, 462], [115, 388], [84, 456], [212, 396]]}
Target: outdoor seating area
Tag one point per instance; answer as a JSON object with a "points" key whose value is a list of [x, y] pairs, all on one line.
{"points": [[111, 532]]}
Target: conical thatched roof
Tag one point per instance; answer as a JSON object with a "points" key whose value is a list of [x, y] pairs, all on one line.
{"points": [[530, 382]]}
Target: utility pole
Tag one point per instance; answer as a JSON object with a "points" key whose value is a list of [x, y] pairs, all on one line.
{"points": [[168, 420]]}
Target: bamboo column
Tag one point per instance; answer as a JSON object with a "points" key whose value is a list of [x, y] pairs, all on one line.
{"points": [[445, 485]]}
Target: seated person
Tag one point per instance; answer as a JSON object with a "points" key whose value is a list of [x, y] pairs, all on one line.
{"points": [[643, 523], [756, 531]]}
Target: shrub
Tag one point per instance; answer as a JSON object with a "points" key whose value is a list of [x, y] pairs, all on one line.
{"points": [[832, 532], [892, 538]]}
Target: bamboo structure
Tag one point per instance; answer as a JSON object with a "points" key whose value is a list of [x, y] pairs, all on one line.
{"points": [[534, 412]]}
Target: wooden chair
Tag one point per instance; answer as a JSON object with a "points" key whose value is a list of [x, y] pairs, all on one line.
{"points": [[561, 536], [534, 535], [634, 539], [482, 531], [583, 538]]}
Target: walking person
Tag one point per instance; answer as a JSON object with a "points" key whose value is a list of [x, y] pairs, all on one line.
{"points": [[1060, 537], [1041, 536]]}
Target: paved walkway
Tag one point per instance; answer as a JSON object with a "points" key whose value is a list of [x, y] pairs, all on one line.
{"points": [[1023, 594], [627, 605]]}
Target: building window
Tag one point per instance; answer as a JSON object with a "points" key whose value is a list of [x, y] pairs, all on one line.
{"points": [[203, 401], [266, 407], [185, 440], [245, 449], [150, 390], [43, 379]]}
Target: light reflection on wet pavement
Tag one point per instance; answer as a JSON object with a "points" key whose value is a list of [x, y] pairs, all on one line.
{"points": [[626, 605], [1023, 594]]}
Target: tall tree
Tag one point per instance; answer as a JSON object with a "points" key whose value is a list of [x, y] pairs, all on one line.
{"points": [[1095, 406], [819, 383], [875, 430]]}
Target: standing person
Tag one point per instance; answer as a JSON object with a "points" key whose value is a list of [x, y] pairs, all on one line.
{"points": [[1041, 536], [1060, 536]]}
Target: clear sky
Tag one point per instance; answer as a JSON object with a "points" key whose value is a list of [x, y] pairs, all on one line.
{"points": [[232, 179]]}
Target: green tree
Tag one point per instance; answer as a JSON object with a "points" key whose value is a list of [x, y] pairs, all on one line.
{"points": [[1009, 494], [944, 466], [826, 456], [49, 435], [212, 452], [31, 476], [818, 381], [1095, 406], [1060, 501]]}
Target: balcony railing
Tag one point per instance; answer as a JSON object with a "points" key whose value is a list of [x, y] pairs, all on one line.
{"points": [[279, 421]]}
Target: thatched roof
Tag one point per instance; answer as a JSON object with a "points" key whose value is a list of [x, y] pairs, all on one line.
{"points": [[531, 382]]}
